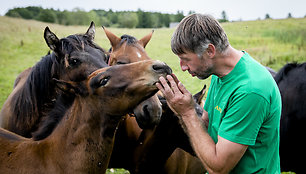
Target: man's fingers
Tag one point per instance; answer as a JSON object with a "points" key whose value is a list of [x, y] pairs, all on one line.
{"points": [[173, 84], [175, 78], [167, 91], [182, 88]]}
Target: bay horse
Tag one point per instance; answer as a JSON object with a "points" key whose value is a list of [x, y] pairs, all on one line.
{"points": [[127, 149], [34, 94], [291, 81], [124, 50], [82, 141]]}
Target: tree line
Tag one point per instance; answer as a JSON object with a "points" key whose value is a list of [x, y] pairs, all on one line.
{"points": [[109, 18]]}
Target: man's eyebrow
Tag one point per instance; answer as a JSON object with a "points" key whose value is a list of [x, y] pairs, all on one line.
{"points": [[184, 58]]}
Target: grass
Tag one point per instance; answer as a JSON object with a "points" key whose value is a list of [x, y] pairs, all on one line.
{"points": [[271, 42]]}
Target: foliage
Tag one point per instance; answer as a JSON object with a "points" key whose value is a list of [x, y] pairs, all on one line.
{"points": [[122, 19]]}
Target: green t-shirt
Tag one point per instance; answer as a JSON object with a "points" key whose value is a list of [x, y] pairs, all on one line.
{"points": [[245, 107]]}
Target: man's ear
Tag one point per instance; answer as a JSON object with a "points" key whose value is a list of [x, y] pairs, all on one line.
{"points": [[66, 87], [211, 50]]}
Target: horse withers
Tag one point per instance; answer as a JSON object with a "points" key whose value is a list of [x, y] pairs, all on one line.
{"points": [[82, 142], [34, 95]]}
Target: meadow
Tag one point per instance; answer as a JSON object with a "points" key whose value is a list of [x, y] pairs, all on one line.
{"points": [[272, 42]]}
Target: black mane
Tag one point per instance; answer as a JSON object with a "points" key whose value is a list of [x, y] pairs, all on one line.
{"points": [[36, 91], [128, 39], [284, 71]]}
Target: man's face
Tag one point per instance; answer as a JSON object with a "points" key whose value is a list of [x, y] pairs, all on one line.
{"points": [[200, 67]]}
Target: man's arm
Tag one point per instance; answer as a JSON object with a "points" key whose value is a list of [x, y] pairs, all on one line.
{"points": [[205, 118], [217, 158]]}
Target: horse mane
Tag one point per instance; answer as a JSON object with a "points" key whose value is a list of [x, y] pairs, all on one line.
{"points": [[37, 88], [281, 74], [128, 39]]}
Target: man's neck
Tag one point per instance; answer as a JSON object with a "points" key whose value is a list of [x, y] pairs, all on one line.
{"points": [[226, 61]]}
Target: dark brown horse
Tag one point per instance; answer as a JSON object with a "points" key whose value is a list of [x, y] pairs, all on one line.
{"points": [[83, 140], [164, 150], [128, 152], [34, 95]]}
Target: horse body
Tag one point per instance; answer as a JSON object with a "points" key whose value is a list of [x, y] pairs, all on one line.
{"points": [[34, 94], [82, 142], [292, 85], [167, 149], [132, 148]]}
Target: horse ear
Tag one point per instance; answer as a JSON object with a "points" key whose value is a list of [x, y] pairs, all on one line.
{"points": [[199, 96], [114, 40], [91, 31], [51, 39], [144, 41]]}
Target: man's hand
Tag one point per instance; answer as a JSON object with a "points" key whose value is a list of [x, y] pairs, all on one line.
{"points": [[178, 97]]}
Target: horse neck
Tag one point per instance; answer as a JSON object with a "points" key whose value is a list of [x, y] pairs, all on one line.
{"points": [[34, 98], [87, 132]]}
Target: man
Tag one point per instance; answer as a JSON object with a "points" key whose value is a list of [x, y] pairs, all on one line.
{"points": [[243, 105]]}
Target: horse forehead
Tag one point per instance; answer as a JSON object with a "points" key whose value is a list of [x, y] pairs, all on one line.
{"points": [[133, 52]]}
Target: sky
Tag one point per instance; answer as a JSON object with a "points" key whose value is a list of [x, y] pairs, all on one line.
{"points": [[235, 9]]}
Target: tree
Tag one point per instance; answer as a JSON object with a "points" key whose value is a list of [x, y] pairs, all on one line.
{"points": [[128, 19], [144, 19], [47, 16], [289, 15], [267, 16], [223, 17], [179, 16]]}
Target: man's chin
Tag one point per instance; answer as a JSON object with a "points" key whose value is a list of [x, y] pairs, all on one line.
{"points": [[202, 77]]}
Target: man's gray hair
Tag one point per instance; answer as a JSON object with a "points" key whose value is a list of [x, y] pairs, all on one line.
{"points": [[195, 32]]}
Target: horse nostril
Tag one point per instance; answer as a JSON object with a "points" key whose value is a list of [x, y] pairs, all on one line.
{"points": [[161, 67]]}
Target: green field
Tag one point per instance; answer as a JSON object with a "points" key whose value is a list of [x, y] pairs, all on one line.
{"points": [[271, 42]]}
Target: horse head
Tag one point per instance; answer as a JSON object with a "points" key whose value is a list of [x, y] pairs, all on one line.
{"points": [[127, 49], [77, 55], [118, 89]]}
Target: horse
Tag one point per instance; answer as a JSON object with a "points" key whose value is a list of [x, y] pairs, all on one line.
{"points": [[169, 145], [124, 50], [83, 140], [34, 94], [291, 81]]}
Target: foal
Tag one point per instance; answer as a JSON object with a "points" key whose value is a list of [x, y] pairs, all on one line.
{"points": [[34, 95], [82, 142]]}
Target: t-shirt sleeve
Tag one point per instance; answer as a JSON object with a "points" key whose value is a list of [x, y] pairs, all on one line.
{"points": [[243, 118], [208, 102]]}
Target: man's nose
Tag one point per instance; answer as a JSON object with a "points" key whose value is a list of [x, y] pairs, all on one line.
{"points": [[184, 67]]}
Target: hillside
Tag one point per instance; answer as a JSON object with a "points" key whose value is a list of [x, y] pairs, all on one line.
{"points": [[271, 42]]}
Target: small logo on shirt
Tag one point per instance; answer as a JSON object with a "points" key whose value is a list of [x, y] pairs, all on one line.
{"points": [[218, 109]]}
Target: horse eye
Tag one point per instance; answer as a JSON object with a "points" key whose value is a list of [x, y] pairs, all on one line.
{"points": [[104, 81], [74, 61], [121, 63]]}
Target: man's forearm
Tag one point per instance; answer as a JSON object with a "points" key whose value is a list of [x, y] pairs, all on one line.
{"points": [[202, 143]]}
